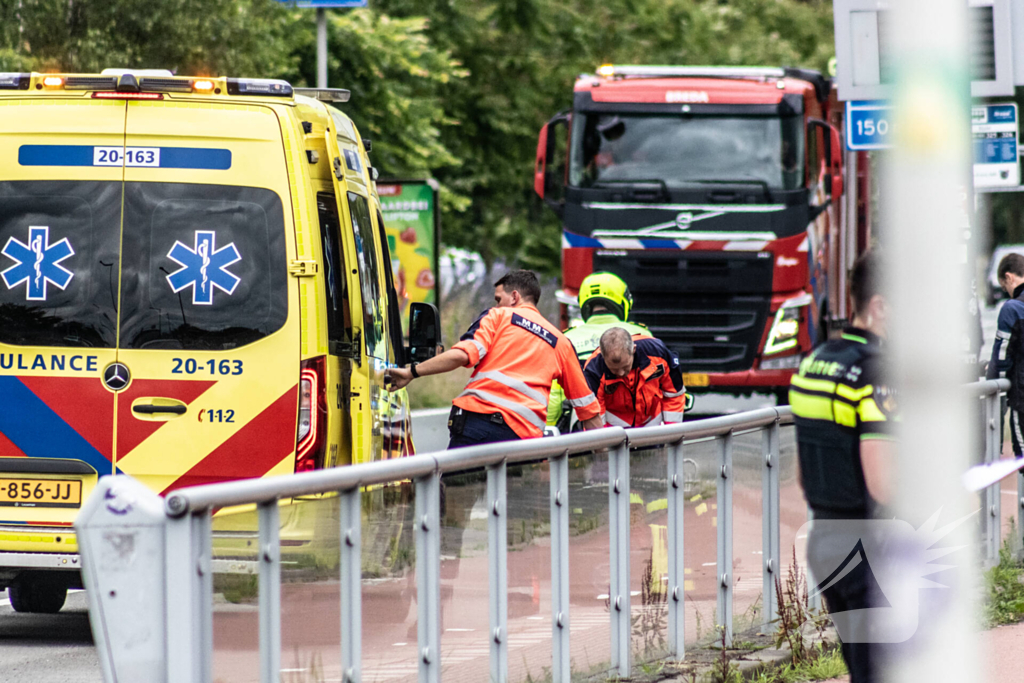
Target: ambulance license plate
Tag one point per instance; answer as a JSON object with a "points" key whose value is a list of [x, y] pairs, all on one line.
{"points": [[40, 493], [695, 379]]}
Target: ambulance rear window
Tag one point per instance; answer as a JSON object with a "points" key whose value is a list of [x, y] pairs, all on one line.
{"points": [[58, 263], [204, 266]]}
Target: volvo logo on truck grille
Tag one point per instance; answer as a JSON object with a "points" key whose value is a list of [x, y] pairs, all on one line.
{"points": [[116, 376]]}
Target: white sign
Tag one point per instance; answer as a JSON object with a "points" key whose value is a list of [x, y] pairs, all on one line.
{"points": [[995, 131]]}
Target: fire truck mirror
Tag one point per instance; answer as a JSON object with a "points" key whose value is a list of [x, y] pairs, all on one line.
{"points": [[551, 169]]}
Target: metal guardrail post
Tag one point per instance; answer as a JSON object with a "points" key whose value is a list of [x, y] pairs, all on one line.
{"points": [[270, 592], [497, 570], [351, 586], [618, 546], [991, 521], [770, 521], [724, 521], [560, 659], [428, 576], [676, 565], [189, 599], [814, 599]]}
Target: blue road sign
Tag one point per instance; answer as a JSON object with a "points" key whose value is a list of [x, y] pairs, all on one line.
{"points": [[868, 125], [323, 4]]}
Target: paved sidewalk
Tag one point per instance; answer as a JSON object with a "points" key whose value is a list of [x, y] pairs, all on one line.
{"points": [[1002, 654]]}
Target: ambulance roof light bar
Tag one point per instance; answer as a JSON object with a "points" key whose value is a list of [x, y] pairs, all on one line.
{"points": [[15, 81], [612, 70], [325, 94]]}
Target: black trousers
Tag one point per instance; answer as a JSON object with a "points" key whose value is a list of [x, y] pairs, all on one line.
{"points": [[1016, 432], [470, 429], [856, 590]]}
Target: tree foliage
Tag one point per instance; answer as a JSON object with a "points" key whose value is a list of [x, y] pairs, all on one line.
{"points": [[457, 89]]}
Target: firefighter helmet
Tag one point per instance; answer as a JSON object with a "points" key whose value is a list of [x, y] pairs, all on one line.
{"points": [[607, 290]]}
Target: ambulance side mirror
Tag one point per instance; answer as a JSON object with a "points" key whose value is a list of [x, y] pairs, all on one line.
{"points": [[424, 331]]}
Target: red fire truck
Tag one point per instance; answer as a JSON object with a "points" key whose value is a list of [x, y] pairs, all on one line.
{"points": [[717, 194]]}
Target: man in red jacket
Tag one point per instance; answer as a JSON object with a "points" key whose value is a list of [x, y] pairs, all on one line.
{"points": [[637, 380]]}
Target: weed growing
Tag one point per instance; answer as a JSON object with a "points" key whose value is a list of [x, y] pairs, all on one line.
{"points": [[723, 670], [1005, 584], [796, 615], [827, 663]]}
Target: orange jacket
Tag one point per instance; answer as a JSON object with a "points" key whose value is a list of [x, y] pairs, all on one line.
{"points": [[650, 394], [517, 354]]}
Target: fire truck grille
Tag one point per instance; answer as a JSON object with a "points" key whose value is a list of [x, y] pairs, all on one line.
{"points": [[709, 307], [707, 337]]}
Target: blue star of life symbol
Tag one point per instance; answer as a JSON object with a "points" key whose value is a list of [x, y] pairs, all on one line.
{"points": [[38, 263], [204, 267]]}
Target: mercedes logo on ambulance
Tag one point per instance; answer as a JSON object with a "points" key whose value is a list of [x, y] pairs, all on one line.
{"points": [[116, 376]]}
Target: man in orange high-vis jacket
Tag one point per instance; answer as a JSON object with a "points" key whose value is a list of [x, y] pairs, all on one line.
{"points": [[517, 354], [637, 380]]}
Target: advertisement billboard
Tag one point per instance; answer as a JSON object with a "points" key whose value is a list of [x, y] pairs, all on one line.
{"points": [[412, 222]]}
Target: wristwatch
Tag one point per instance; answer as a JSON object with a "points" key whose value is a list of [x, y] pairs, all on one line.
{"points": [[412, 370]]}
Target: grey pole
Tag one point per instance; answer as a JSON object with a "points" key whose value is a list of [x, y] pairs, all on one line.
{"points": [[351, 586], [561, 664], [497, 574], [724, 565], [991, 518], [189, 599], [428, 576], [814, 601], [618, 546], [926, 177], [270, 592], [770, 544], [321, 47], [676, 564]]}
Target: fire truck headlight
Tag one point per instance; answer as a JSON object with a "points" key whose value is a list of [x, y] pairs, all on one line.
{"points": [[784, 331]]}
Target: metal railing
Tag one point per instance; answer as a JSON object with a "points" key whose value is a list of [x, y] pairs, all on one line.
{"points": [[184, 528], [990, 391]]}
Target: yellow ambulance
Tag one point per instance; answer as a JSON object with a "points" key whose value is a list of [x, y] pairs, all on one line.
{"points": [[194, 287]]}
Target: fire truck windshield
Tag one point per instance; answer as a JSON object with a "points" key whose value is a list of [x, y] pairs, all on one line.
{"points": [[686, 150]]}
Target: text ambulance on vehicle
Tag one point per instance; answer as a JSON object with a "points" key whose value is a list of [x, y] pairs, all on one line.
{"points": [[715, 193], [194, 287]]}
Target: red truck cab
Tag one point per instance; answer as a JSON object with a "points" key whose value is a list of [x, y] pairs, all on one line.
{"points": [[714, 192]]}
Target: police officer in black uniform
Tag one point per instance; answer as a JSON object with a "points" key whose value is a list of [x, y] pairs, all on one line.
{"points": [[843, 408]]}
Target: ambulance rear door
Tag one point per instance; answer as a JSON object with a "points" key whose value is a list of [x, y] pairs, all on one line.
{"points": [[60, 220], [208, 327]]}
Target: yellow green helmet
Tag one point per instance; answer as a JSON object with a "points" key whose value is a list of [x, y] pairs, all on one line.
{"points": [[607, 290]]}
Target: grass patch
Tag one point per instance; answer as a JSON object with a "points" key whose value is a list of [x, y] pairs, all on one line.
{"points": [[237, 588], [1005, 584], [828, 663]]}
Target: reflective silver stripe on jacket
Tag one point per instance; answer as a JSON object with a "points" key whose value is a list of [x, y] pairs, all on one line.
{"points": [[656, 420], [1002, 335], [673, 394], [517, 408], [671, 416], [615, 421], [512, 383], [480, 347], [582, 402]]}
